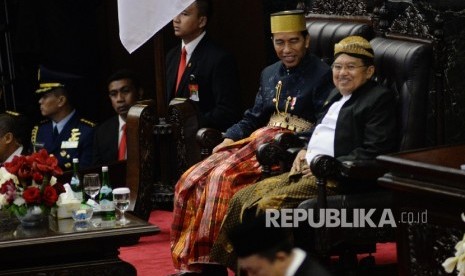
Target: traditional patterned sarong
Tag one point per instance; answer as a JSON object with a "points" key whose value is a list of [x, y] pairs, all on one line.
{"points": [[271, 193], [202, 197]]}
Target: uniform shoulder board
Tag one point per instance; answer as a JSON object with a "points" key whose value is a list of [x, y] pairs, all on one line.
{"points": [[12, 113], [87, 122], [44, 121]]}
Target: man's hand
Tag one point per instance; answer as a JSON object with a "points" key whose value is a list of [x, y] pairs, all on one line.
{"points": [[300, 165], [226, 142]]}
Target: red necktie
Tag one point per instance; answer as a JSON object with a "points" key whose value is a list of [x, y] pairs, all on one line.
{"points": [[122, 145], [181, 68]]}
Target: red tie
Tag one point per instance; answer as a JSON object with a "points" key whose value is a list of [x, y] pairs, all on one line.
{"points": [[122, 145], [182, 67]]}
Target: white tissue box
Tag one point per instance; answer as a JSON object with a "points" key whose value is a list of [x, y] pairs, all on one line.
{"points": [[65, 209]]}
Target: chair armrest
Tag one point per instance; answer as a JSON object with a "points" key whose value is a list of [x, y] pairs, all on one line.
{"points": [[208, 138], [365, 170], [272, 154], [358, 173], [269, 155], [289, 140], [325, 166], [280, 152]]}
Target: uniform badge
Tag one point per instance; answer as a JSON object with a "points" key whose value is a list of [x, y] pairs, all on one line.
{"points": [[75, 133], [68, 165], [69, 144], [73, 140], [63, 153]]}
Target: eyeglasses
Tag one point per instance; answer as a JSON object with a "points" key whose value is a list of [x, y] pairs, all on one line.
{"points": [[349, 67]]}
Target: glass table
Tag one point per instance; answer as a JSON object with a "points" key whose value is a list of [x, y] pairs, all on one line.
{"points": [[65, 247]]}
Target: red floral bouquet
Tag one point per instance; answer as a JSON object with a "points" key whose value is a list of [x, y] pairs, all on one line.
{"points": [[30, 181]]}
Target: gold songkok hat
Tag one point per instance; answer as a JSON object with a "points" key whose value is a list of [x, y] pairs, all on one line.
{"points": [[288, 21], [354, 45]]}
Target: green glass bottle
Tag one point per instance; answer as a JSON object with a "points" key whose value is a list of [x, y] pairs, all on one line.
{"points": [[75, 182], [106, 197]]}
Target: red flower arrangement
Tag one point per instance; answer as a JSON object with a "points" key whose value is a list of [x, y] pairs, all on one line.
{"points": [[30, 181]]}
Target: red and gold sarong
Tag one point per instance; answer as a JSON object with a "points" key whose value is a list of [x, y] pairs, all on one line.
{"points": [[202, 197]]}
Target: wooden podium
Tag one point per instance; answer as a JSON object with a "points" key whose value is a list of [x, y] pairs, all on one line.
{"points": [[429, 193]]}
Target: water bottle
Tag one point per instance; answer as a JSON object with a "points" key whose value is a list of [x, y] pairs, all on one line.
{"points": [[106, 197], [75, 182]]}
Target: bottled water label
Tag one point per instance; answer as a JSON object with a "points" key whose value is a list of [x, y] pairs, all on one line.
{"points": [[105, 190], [75, 186], [74, 182]]}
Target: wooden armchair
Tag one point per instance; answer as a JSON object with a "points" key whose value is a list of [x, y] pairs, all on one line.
{"points": [[403, 65], [140, 167]]}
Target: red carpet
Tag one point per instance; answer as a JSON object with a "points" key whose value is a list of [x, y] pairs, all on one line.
{"points": [[151, 256]]}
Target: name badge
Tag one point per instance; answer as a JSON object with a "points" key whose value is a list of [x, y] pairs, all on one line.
{"points": [[69, 144]]}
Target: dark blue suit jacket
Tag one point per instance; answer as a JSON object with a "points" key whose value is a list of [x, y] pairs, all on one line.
{"points": [[74, 141], [309, 82], [215, 73]]}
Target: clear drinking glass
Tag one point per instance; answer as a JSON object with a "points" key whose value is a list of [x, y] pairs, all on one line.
{"points": [[91, 184], [121, 201]]}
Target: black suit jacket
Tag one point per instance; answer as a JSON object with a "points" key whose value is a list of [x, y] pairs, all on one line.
{"points": [[367, 125], [105, 147], [215, 74]]}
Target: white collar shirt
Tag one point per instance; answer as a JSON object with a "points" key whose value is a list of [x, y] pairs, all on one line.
{"points": [[322, 140], [61, 124], [298, 257], [17, 152], [190, 47]]}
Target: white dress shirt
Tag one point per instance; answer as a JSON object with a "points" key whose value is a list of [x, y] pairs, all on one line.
{"points": [[322, 140], [297, 260], [190, 47], [17, 152]]}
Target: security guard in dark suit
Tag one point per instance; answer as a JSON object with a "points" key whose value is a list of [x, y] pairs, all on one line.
{"points": [[63, 134]]}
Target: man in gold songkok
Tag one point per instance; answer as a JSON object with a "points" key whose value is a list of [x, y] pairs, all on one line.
{"points": [[290, 98], [359, 124]]}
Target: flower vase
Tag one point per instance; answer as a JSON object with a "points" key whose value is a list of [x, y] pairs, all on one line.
{"points": [[33, 217]]}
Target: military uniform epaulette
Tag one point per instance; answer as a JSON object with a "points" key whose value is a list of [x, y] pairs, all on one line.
{"points": [[12, 113], [87, 122], [44, 121]]}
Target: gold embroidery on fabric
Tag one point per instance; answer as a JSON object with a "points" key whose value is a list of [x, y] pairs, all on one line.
{"points": [[74, 135], [34, 135], [87, 122], [285, 119]]}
